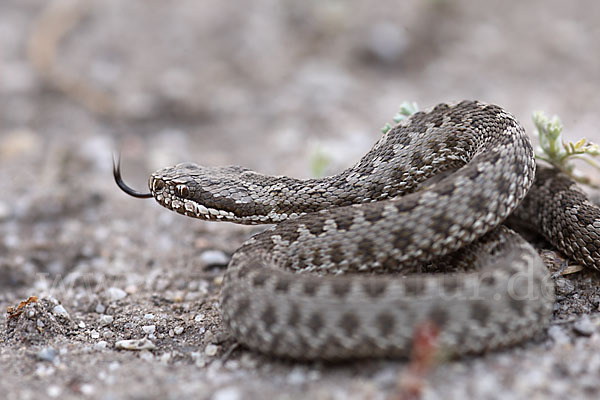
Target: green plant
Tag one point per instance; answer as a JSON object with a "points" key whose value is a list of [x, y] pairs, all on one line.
{"points": [[406, 110], [555, 151], [319, 161]]}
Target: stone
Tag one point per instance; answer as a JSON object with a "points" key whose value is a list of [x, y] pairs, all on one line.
{"points": [[135, 344], [584, 326], [115, 293], [47, 354]]}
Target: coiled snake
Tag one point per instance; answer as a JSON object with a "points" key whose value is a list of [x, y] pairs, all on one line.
{"points": [[354, 264]]}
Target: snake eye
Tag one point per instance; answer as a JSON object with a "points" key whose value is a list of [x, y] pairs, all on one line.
{"points": [[157, 185], [182, 191]]}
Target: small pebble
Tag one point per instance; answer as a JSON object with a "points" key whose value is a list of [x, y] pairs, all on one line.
{"points": [[149, 329], [199, 359], [297, 376], [101, 345], [584, 326], [54, 391], [162, 284], [81, 325], [178, 330], [135, 344], [108, 334], [47, 354], [228, 393], [558, 335], [115, 293], [211, 350], [100, 308], [94, 334], [200, 363], [199, 317], [12, 241], [564, 286], [106, 319], [44, 370], [87, 389], [165, 358], [60, 311], [131, 289], [314, 375], [214, 258], [149, 316], [218, 280]]}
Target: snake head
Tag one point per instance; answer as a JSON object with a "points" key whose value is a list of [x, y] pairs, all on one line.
{"points": [[230, 193], [208, 193]]}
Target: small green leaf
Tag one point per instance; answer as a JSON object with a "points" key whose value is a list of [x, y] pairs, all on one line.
{"points": [[406, 110], [319, 162], [560, 154]]}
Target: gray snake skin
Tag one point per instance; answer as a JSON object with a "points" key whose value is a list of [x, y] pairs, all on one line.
{"points": [[410, 235]]}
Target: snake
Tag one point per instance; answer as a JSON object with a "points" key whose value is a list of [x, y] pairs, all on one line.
{"points": [[412, 236]]}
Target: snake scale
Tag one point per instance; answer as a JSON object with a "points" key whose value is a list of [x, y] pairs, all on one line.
{"points": [[411, 235]]}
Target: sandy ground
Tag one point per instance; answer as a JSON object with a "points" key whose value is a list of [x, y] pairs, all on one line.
{"points": [[276, 86]]}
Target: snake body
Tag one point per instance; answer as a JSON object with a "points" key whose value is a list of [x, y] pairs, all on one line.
{"points": [[410, 236]]}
